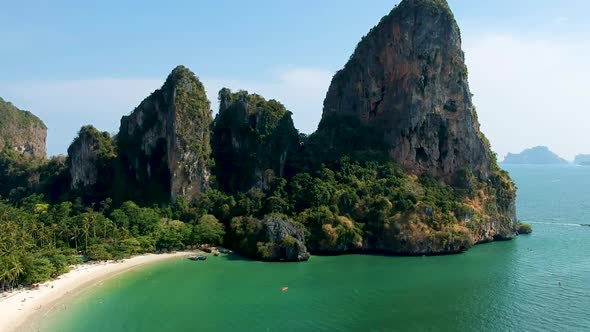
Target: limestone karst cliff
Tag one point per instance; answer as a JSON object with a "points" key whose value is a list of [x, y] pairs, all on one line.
{"points": [[91, 162], [404, 96], [407, 83], [252, 141], [164, 144], [22, 131]]}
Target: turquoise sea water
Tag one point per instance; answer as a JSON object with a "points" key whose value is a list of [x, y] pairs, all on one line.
{"points": [[539, 282]]}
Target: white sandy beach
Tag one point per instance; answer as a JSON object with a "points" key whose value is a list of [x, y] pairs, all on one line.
{"points": [[19, 307]]}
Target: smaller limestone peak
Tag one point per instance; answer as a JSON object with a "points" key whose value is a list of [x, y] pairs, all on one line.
{"points": [[22, 131], [182, 74]]}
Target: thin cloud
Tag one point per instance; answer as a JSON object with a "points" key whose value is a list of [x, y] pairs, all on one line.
{"points": [[560, 20]]}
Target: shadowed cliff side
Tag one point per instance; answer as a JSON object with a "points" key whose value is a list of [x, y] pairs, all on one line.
{"points": [[91, 164], [253, 141], [164, 148]]}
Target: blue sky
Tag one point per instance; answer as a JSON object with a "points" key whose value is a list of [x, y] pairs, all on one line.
{"points": [[79, 62]]}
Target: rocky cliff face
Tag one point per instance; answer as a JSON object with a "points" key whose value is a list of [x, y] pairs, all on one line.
{"points": [[407, 83], [275, 238], [253, 141], [164, 147], [91, 162], [404, 96], [22, 131]]}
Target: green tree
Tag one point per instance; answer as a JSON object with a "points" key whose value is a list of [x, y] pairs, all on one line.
{"points": [[209, 230]]}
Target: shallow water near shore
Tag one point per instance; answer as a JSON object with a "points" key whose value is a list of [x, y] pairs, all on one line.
{"points": [[537, 282]]}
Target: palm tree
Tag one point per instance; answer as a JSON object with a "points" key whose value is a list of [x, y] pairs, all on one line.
{"points": [[86, 230], [15, 271]]}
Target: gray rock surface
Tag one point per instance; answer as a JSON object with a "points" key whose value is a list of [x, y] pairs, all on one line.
{"points": [[289, 240], [164, 145], [407, 81]]}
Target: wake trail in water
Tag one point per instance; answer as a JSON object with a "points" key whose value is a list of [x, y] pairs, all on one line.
{"points": [[559, 224]]}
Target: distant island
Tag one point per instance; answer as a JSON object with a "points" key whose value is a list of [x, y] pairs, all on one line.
{"points": [[539, 155], [582, 159]]}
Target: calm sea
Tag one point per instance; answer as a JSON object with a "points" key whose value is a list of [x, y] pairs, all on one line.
{"points": [[539, 282]]}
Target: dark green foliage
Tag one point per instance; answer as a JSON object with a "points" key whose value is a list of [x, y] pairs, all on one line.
{"points": [[98, 252], [21, 176], [338, 137], [39, 241], [209, 230], [172, 234]]}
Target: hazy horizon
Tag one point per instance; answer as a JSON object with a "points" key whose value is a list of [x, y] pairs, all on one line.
{"points": [[73, 64]]}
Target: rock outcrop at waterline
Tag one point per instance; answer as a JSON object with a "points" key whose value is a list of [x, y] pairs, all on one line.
{"points": [[164, 145], [274, 239], [22, 131]]}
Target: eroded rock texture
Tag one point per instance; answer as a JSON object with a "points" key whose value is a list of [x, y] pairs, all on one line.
{"points": [[91, 163], [407, 82], [253, 141], [164, 144]]}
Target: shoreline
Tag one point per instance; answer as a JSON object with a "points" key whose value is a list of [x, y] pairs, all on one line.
{"points": [[20, 308]]}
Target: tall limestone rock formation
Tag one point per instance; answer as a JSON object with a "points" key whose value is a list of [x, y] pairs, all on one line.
{"points": [[164, 144], [253, 140], [22, 131], [91, 162], [407, 82], [404, 96]]}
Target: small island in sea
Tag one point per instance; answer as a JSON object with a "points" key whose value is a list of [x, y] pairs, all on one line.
{"points": [[539, 155], [397, 166]]}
